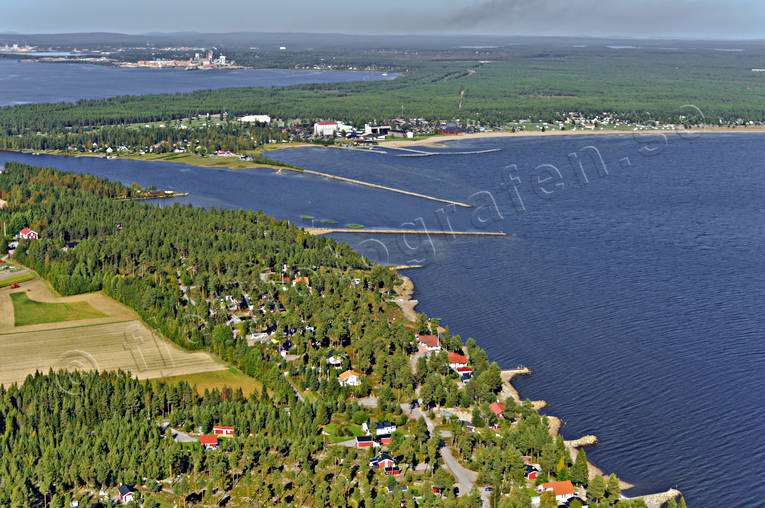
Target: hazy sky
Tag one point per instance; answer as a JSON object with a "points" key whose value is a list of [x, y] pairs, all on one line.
{"points": [[627, 18]]}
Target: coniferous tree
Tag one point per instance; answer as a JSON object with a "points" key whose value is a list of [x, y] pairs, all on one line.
{"points": [[613, 489], [596, 489], [580, 472]]}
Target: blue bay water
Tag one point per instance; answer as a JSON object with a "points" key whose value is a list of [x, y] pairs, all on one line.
{"points": [[32, 82], [635, 298]]}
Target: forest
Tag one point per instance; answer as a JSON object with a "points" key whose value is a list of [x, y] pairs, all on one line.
{"points": [[499, 85], [187, 271]]}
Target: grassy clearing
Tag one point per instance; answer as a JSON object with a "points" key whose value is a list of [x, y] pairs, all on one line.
{"points": [[219, 379], [339, 433], [16, 280], [31, 312]]}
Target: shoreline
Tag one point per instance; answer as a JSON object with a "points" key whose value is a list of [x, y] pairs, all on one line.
{"points": [[437, 141], [407, 304]]}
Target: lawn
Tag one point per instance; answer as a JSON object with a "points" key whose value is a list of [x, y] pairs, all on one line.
{"points": [[339, 433], [30, 312], [219, 379]]}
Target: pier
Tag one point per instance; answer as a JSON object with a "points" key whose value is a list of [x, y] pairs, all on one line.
{"points": [[421, 153], [377, 186], [324, 231]]}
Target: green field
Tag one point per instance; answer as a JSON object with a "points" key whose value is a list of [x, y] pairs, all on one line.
{"points": [[219, 379], [30, 312]]}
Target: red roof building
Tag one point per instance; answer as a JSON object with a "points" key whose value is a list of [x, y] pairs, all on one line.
{"points": [[428, 343], [563, 490], [209, 441], [220, 430], [457, 360], [28, 234], [497, 408]]}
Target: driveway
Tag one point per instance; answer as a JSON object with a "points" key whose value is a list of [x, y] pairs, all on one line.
{"points": [[465, 477]]}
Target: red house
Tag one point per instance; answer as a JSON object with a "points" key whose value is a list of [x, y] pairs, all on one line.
{"points": [[220, 430], [126, 493], [457, 361], [28, 234], [209, 442], [392, 470], [382, 461], [363, 441], [497, 408]]}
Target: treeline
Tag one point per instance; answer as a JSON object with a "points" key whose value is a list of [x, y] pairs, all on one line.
{"points": [[158, 139], [637, 86]]}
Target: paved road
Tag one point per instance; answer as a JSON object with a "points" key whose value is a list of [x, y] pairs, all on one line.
{"points": [[370, 401], [466, 478], [297, 394]]}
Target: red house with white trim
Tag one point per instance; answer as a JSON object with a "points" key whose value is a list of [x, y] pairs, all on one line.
{"points": [[382, 461], [126, 493], [220, 430], [28, 234], [363, 441]]}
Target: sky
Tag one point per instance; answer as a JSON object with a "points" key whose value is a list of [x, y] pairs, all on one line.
{"points": [[711, 19]]}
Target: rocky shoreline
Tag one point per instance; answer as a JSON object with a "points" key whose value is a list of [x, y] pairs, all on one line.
{"points": [[407, 304]]}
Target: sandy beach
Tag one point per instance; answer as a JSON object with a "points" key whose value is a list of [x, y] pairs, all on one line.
{"points": [[404, 298], [437, 141]]}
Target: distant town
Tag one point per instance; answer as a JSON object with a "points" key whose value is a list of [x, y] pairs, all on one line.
{"points": [[197, 62]]}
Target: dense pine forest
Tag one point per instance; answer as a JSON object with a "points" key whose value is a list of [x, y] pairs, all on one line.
{"points": [[186, 271]]}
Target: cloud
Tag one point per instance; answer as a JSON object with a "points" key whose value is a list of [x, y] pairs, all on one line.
{"points": [[651, 18]]}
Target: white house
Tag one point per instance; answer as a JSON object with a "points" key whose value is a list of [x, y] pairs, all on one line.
{"points": [[428, 343], [457, 361], [563, 491], [335, 360], [331, 128], [255, 119], [349, 378], [381, 428], [325, 128]]}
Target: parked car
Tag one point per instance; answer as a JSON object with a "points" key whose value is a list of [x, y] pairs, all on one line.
{"points": [[14, 285]]}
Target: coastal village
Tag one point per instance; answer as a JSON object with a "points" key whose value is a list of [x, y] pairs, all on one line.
{"points": [[264, 132], [429, 432]]}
